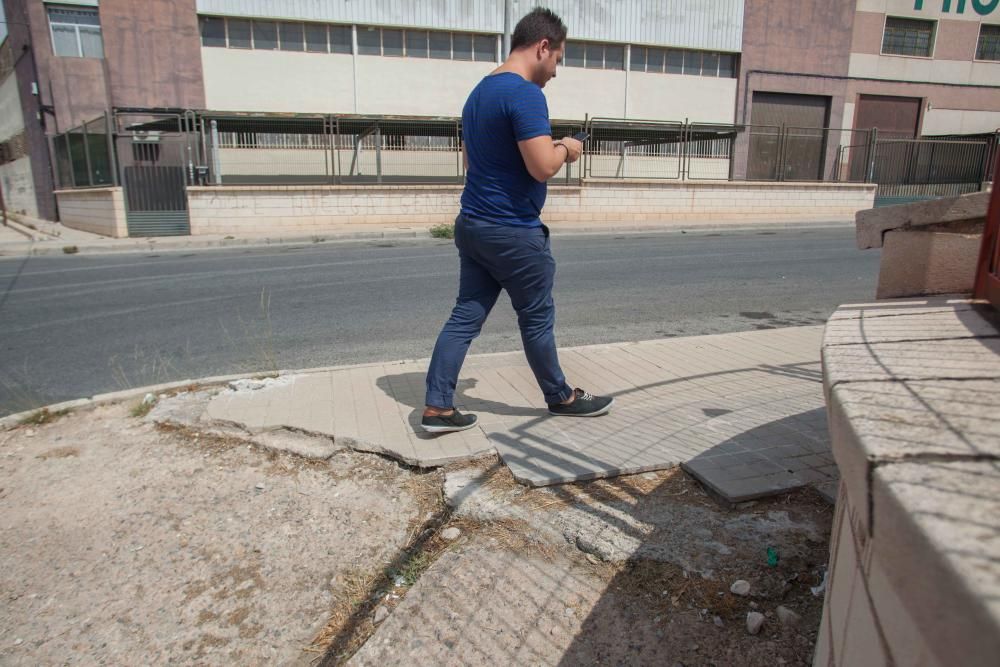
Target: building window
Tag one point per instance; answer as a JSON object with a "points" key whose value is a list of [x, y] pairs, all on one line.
{"points": [[593, 55], [265, 35], [679, 61], [237, 33], [316, 38], [392, 43], [908, 37], [291, 36], [440, 45], [240, 33], [76, 32], [416, 43], [213, 31], [989, 43], [461, 46], [369, 41], [340, 39]]}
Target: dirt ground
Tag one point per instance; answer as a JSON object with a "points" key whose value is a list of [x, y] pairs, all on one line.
{"points": [[125, 542], [651, 585]]}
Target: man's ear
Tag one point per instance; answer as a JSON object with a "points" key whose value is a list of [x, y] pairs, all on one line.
{"points": [[543, 47]]}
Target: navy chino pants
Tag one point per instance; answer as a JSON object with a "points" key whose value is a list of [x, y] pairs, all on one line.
{"points": [[495, 257]]}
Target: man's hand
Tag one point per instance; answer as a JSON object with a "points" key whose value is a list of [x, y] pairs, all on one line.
{"points": [[573, 147]]}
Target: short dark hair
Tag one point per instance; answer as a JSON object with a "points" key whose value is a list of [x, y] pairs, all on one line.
{"points": [[537, 25]]}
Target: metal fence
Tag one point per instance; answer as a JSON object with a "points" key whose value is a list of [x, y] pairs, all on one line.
{"points": [[350, 150], [285, 149], [710, 151], [333, 150]]}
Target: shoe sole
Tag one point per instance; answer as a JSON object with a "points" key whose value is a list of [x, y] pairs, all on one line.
{"points": [[596, 413], [448, 429]]}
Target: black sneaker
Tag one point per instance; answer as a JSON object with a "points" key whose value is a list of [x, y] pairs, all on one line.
{"points": [[456, 421], [585, 405]]}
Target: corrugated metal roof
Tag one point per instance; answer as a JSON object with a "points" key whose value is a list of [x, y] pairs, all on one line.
{"points": [[715, 25], [475, 15], [698, 24]]}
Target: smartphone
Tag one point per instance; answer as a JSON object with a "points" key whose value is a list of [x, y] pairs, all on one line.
{"points": [[581, 136]]}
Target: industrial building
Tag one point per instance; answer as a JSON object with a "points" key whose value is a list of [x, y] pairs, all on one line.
{"points": [[911, 68]]}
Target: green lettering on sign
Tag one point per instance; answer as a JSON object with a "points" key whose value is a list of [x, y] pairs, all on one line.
{"points": [[982, 7]]}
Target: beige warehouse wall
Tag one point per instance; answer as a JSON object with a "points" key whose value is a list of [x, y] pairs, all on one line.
{"points": [[676, 97], [416, 86], [244, 80], [959, 121], [576, 91]]}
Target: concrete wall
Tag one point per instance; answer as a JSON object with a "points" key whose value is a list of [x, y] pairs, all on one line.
{"points": [[417, 86], [800, 38], [19, 187], [966, 98], [15, 176], [97, 210], [676, 97], [152, 59], [11, 118], [19, 60], [324, 83], [813, 48], [305, 209], [914, 573], [237, 80], [152, 50]]}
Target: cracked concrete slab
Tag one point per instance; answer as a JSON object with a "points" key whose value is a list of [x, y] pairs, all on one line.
{"points": [[676, 400]]}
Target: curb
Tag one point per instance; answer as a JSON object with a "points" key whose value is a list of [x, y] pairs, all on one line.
{"points": [[320, 238], [14, 420]]}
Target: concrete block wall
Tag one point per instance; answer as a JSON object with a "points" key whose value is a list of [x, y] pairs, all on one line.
{"points": [[912, 387], [97, 210], [298, 209]]}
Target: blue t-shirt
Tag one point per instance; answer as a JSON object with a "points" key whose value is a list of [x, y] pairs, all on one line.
{"points": [[501, 111]]}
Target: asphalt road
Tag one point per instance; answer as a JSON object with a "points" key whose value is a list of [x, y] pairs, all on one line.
{"points": [[73, 326]]}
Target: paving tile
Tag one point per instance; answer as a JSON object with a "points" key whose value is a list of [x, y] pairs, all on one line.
{"points": [[732, 407]]}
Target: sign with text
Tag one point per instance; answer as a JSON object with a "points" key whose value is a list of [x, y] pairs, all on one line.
{"points": [[981, 7]]}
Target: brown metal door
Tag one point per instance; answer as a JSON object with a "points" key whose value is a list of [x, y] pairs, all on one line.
{"points": [[895, 117], [802, 155]]}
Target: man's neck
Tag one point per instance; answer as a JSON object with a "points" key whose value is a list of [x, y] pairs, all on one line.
{"points": [[517, 64]]}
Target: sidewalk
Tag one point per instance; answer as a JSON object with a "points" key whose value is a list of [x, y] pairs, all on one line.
{"points": [[56, 237], [243, 521]]}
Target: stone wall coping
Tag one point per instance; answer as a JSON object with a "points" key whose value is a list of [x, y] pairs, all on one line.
{"points": [[557, 187], [97, 190], [913, 395], [765, 185], [963, 214]]}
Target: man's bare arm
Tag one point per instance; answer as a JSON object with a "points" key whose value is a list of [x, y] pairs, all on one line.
{"points": [[544, 157]]}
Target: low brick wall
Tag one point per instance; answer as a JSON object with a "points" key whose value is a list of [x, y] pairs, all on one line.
{"points": [[304, 209], [97, 210]]}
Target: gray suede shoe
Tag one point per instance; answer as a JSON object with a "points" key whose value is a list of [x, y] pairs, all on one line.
{"points": [[585, 405]]}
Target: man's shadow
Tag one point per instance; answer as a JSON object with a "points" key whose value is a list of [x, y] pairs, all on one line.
{"points": [[408, 389]]}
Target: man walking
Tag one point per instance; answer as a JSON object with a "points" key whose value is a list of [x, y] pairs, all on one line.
{"points": [[509, 155]]}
